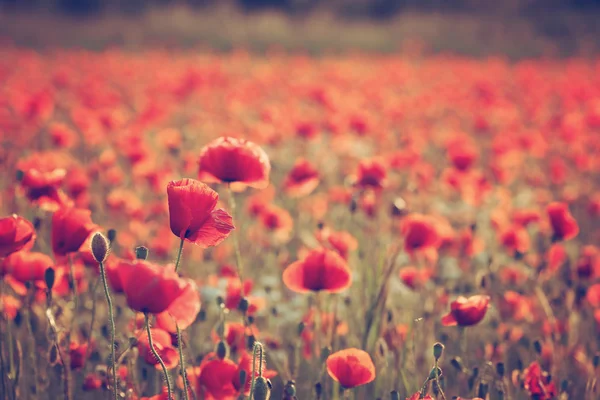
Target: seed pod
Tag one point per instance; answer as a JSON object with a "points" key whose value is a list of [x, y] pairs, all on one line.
{"points": [[111, 234], [49, 277], [100, 247], [141, 253], [222, 350], [438, 350]]}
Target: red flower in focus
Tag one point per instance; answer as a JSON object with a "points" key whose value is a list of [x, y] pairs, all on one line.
{"points": [[538, 383], [419, 232], [232, 160], [301, 180], [467, 312], [564, 226], [15, 234], [351, 367], [70, 228], [183, 311], [371, 174], [163, 346], [26, 266], [193, 215], [321, 270], [150, 288]]}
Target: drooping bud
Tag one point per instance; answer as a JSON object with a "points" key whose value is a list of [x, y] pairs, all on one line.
{"points": [[243, 305], [49, 277], [456, 362], [222, 350], [111, 234], [394, 395], [482, 390], [500, 369], [141, 253], [100, 247], [262, 388], [243, 377], [438, 350], [537, 345], [318, 390]]}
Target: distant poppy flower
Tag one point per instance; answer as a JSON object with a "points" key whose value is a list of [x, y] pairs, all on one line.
{"points": [[301, 180], [564, 226], [462, 154], [245, 364], [92, 382], [419, 232], [351, 367], [150, 288], [278, 221], [78, 351], [414, 277], [26, 266], [216, 379], [342, 242], [515, 239], [467, 311], [16, 233], [231, 160], [588, 265], [371, 174], [193, 214], [70, 228], [163, 346], [320, 270], [9, 306], [593, 295]]}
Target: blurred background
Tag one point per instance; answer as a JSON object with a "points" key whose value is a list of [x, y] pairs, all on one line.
{"points": [[514, 28]]}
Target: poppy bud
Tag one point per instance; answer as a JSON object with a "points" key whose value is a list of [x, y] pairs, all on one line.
{"points": [[318, 390], [300, 328], [19, 175], [325, 352], [394, 395], [473, 378], [251, 341], [537, 345], [220, 301], [262, 389], [222, 350], [111, 234], [596, 360], [456, 362], [500, 369], [49, 276], [290, 389], [243, 377], [243, 305], [483, 390], [438, 349], [100, 247], [435, 373], [141, 253]]}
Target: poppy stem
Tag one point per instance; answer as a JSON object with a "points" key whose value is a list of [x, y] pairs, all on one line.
{"points": [[181, 359], [32, 352], [236, 240], [157, 356], [113, 359], [91, 334], [179, 255]]}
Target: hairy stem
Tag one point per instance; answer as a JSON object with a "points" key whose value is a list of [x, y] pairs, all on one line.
{"points": [[155, 353], [182, 362], [113, 359]]}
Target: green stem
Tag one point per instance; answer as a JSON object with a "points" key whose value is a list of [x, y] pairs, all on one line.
{"points": [[179, 255], [257, 348], [437, 380], [91, 334], [155, 353], [32, 351], [236, 241], [182, 360], [113, 359]]}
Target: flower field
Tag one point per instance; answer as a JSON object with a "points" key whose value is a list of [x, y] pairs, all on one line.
{"points": [[190, 225]]}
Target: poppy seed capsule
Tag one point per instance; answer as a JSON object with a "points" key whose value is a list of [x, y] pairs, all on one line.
{"points": [[243, 305], [100, 247], [111, 235], [141, 253], [262, 389], [438, 350], [49, 277]]}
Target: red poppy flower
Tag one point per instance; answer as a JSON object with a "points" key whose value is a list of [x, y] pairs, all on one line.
{"points": [[351, 367], [342, 242], [301, 180], [70, 228], [462, 153], [593, 295], [182, 312], [15, 234], [278, 221], [538, 383], [150, 288], [77, 352], [515, 239], [563, 224], [163, 346], [321, 270], [414, 277], [193, 215], [232, 160], [235, 291], [26, 266], [245, 364], [371, 174], [216, 379], [419, 232], [588, 265], [466, 312], [9, 306], [92, 382]]}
